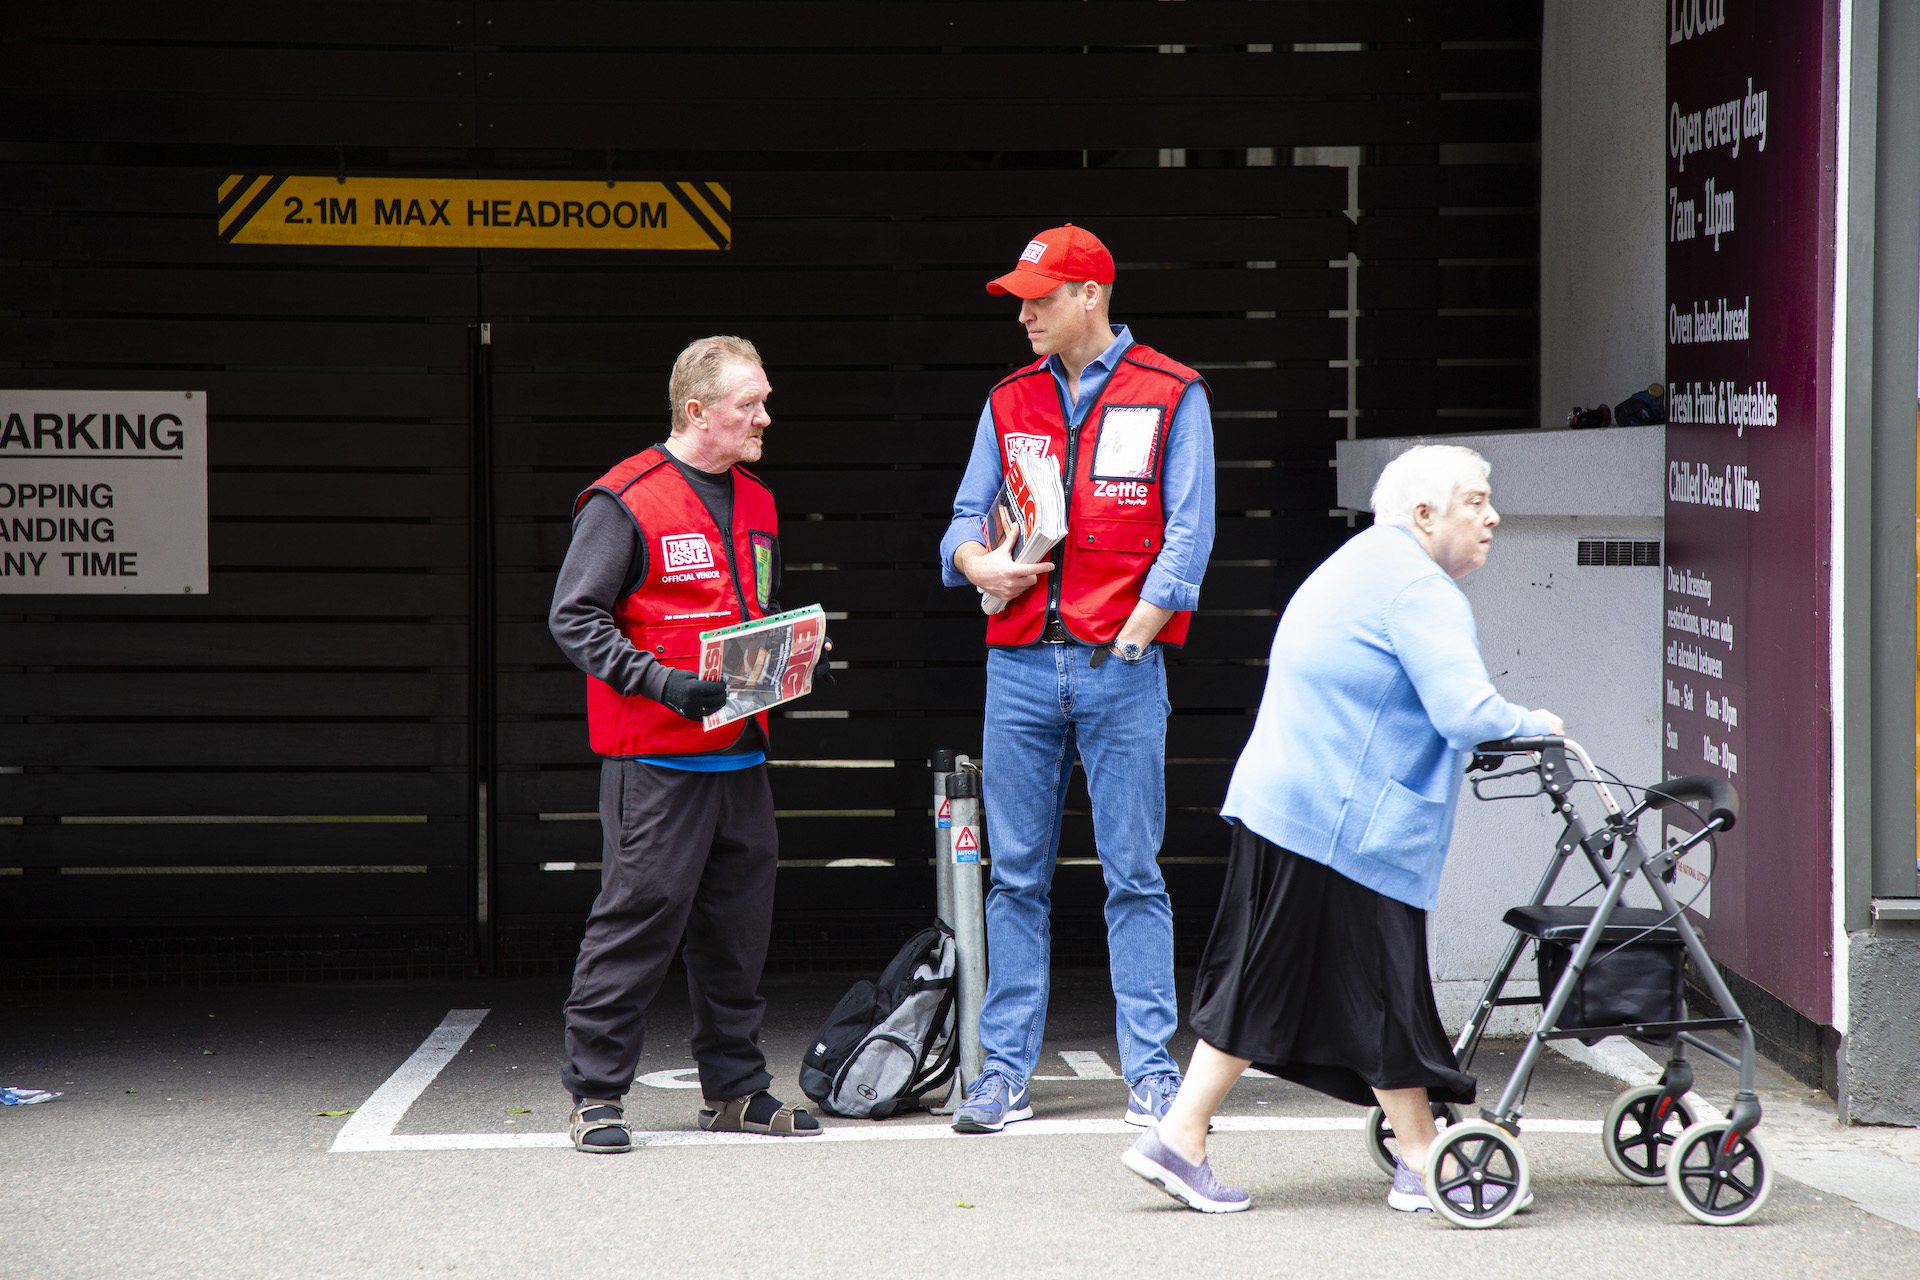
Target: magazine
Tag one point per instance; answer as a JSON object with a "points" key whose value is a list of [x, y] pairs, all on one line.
{"points": [[1033, 506], [763, 663]]}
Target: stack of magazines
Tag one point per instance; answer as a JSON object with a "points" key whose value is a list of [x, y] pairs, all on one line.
{"points": [[1032, 506], [763, 663]]}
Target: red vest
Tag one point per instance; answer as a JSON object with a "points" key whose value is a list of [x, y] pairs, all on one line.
{"points": [[1114, 515], [698, 578]]}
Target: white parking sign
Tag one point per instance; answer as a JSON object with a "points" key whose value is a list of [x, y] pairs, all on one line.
{"points": [[103, 493]]}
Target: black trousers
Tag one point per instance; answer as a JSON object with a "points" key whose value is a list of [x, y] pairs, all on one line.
{"points": [[685, 855]]}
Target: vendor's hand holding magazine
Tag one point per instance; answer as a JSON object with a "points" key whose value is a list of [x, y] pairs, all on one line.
{"points": [[1032, 505], [763, 663]]}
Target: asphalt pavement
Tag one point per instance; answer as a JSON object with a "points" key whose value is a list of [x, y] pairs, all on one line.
{"points": [[190, 1142]]}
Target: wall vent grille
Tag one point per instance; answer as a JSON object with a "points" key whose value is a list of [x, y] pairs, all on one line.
{"points": [[1609, 551]]}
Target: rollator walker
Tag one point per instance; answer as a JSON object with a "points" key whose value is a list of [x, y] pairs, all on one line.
{"points": [[1604, 970]]}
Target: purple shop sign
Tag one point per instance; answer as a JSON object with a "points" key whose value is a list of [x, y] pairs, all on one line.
{"points": [[1749, 217]]}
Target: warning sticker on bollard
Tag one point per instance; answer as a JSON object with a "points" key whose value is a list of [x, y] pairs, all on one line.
{"points": [[966, 846]]}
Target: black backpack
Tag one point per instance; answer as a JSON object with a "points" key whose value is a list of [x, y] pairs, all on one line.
{"points": [[889, 1043]]}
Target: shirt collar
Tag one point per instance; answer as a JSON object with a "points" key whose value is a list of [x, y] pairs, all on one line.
{"points": [[1107, 360]]}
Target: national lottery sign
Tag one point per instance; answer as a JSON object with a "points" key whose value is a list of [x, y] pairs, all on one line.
{"points": [[473, 213], [103, 493]]}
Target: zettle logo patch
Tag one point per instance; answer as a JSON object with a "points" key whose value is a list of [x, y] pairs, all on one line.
{"points": [[685, 551]]}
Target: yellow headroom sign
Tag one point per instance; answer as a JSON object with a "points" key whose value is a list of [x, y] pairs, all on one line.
{"points": [[476, 213]]}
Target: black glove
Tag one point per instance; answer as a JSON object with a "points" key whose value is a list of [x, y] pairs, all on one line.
{"points": [[823, 669], [688, 695]]}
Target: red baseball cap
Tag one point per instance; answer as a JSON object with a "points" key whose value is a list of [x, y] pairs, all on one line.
{"points": [[1055, 257]]}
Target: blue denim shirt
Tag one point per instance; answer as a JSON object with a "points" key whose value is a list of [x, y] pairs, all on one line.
{"points": [[1186, 486]]}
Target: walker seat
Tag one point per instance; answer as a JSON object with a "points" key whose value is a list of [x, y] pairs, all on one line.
{"points": [[1569, 925]]}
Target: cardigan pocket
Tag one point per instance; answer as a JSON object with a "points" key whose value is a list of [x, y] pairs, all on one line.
{"points": [[1404, 829]]}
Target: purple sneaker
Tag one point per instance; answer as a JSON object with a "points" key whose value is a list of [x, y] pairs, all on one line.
{"points": [[1191, 1184], [1409, 1193]]}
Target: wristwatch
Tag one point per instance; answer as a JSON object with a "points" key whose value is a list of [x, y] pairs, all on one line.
{"points": [[1128, 651]]}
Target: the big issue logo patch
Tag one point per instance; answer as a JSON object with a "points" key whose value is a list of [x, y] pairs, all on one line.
{"points": [[473, 213], [685, 551]]}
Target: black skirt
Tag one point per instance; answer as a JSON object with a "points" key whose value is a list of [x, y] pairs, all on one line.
{"points": [[1322, 981]]}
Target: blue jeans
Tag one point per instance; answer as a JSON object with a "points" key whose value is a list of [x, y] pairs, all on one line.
{"points": [[1043, 703]]}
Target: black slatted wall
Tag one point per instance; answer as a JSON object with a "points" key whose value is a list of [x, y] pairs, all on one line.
{"points": [[182, 755], [318, 708]]}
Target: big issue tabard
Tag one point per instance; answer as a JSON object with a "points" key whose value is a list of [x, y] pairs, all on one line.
{"points": [[1115, 518], [698, 577]]}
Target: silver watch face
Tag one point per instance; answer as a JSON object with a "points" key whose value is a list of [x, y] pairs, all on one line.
{"points": [[1132, 652]]}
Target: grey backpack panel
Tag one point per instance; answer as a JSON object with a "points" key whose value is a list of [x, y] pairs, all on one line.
{"points": [[907, 1053]]}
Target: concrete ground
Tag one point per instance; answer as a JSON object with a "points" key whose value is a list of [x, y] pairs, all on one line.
{"points": [[187, 1144]]}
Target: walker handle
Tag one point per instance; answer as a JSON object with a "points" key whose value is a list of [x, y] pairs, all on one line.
{"points": [[1723, 802], [1518, 746]]}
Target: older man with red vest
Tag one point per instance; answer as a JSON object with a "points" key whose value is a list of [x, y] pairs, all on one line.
{"points": [[676, 540], [1074, 661]]}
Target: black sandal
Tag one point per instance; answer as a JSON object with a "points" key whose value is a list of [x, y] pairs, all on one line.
{"points": [[730, 1116], [599, 1127]]}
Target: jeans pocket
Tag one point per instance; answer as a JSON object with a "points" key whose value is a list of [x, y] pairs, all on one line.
{"points": [[1404, 828]]}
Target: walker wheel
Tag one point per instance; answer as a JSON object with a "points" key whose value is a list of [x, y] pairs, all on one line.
{"points": [[1637, 1140], [1716, 1178], [1378, 1134], [1489, 1181]]}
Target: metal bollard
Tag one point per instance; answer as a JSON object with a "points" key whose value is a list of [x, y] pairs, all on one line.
{"points": [[943, 767], [970, 919]]}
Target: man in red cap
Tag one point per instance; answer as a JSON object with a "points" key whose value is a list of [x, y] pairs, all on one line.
{"points": [[1074, 660]]}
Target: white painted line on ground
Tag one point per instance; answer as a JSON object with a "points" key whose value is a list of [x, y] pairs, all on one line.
{"points": [[468, 1141], [1088, 1065], [913, 1132], [675, 1079], [370, 1128]]}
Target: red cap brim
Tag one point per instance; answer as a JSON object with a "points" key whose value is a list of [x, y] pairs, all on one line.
{"points": [[1022, 283]]}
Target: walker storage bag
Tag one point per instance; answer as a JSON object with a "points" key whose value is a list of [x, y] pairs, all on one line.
{"points": [[1622, 985], [889, 1043]]}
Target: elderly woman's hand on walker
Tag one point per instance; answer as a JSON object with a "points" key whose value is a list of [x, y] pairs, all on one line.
{"points": [[1343, 801]]}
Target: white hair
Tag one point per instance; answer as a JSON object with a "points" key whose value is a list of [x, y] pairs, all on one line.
{"points": [[1427, 473], [699, 373]]}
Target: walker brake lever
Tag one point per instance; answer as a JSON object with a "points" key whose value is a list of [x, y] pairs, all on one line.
{"points": [[1477, 783]]}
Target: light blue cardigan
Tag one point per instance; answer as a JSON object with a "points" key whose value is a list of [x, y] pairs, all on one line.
{"points": [[1375, 694]]}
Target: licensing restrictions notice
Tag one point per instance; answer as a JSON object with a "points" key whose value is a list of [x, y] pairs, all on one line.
{"points": [[103, 493]]}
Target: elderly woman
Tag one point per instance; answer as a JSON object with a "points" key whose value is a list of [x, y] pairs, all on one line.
{"points": [[1342, 804]]}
